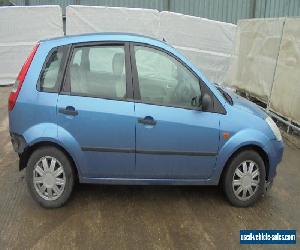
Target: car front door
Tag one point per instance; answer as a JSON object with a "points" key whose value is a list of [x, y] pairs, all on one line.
{"points": [[174, 138], [95, 111]]}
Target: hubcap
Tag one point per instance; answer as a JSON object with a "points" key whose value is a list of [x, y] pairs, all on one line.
{"points": [[246, 180], [49, 178]]}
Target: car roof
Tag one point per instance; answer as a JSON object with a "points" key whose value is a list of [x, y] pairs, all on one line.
{"points": [[103, 36]]}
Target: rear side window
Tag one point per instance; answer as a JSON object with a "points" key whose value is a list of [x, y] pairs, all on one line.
{"points": [[49, 79], [98, 71]]}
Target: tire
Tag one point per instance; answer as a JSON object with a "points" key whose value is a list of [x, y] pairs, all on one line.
{"points": [[236, 183], [50, 186]]}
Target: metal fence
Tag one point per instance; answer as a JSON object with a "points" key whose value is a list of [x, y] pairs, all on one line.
{"points": [[222, 10]]}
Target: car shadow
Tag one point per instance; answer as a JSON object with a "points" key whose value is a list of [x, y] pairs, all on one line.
{"points": [[89, 193]]}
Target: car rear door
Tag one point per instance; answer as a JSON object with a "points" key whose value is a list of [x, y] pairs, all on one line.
{"points": [[96, 111], [174, 139]]}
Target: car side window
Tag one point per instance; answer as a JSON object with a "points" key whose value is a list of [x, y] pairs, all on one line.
{"points": [[49, 77], [98, 71], [165, 81]]}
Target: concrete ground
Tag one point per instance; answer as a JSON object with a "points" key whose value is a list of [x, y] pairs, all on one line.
{"points": [[139, 217]]}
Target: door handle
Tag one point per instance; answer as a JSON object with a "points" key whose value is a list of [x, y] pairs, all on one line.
{"points": [[69, 110], [147, 120]]}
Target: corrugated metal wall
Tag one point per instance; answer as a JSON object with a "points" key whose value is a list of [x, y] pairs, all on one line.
{"points": [[62, 3], [277, 8], [146, 4], [221, 10]]}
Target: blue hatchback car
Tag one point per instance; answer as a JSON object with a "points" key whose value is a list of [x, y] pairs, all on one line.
{"points": [[118, 108]]}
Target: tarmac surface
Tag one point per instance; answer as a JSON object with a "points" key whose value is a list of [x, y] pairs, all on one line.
{"points": [[140, 217]]}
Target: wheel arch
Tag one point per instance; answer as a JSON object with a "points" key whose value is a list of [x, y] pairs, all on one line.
{"points": [[24, 157], [253, 147]]}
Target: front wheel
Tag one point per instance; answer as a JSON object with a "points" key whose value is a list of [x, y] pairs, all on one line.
{"points": [[244, 179], [50, 177]]}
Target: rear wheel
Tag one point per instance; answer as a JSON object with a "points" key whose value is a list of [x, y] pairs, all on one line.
{"points": [[244, 179], [50, 177]]}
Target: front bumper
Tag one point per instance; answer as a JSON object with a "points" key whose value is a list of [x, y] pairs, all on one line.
{"points": [[274, 150]]}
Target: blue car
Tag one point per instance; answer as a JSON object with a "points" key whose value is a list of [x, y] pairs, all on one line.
{"points": [[119, 108]]}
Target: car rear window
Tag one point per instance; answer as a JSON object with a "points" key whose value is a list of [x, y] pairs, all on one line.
{"points": [[49, 78]]}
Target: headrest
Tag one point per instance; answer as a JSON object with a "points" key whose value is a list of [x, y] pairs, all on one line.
{"points": [[118, 63]]}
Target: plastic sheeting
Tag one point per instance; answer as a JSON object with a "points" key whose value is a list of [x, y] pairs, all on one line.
{"points": [[266, 62], [254, 57], [208, 44], [89, 19], [20, 28], [285, 96]]}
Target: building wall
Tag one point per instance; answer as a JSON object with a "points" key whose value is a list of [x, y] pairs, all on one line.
{"points": [[222, 10]]}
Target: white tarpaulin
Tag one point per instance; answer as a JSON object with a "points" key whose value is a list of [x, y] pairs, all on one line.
{"points": [[285, 95], [20, 28], [89, 19], [266, 63], [255, 54], [208, 44]]}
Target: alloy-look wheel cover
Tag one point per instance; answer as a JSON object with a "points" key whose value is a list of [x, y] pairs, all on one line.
{"points": [[49, 178], [246, 178]]}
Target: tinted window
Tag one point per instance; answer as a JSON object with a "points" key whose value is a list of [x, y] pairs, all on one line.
{"points": [[98, 71], [50, 74], [164, 80]]}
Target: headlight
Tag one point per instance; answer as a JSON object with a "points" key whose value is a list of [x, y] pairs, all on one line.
{"points": [[274, 128]]}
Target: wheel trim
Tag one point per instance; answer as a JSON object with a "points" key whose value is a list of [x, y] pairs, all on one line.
{"points": [[246, 180], [49, 178]]}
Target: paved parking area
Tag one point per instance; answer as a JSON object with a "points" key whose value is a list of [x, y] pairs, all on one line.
{"points": [[139, 217]]}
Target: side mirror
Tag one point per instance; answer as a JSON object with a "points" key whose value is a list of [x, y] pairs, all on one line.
{"points": [[206, 102]]}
